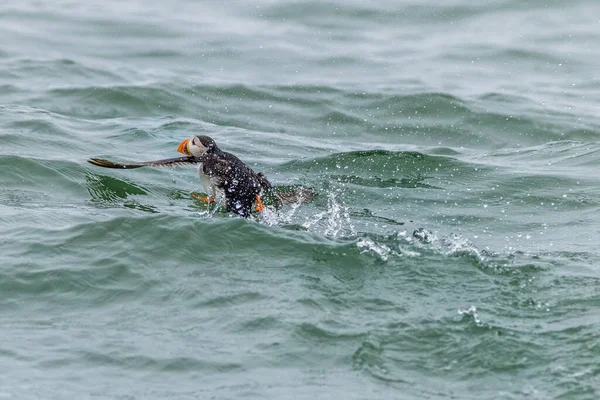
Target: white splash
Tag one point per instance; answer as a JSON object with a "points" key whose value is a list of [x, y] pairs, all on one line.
{"points": [[286, 217], [334, 221], [270, 216], [456, 245], [472, 311], [367, 245]]}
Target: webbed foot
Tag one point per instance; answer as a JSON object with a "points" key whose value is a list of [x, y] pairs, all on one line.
{"points": [[207, 199], [259, 206]]}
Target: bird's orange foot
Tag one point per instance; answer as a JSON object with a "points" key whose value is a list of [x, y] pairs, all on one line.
{"points": [[206, 199], [259, 204]]}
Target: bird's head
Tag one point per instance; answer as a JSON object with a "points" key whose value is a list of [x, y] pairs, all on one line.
{"points": [[197, 146]]}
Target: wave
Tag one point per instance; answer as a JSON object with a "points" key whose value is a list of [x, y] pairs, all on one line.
{"points": [[319, 112]]}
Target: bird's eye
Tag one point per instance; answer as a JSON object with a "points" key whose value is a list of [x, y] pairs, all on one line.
{"points": [[195, 141]]}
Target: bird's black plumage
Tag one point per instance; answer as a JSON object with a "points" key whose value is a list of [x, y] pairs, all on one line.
{"points": [[239, 183]]}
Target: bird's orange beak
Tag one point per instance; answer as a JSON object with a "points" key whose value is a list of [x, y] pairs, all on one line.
{"points": [[184, 147]]}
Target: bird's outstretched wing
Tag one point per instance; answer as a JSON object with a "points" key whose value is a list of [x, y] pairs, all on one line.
{"points": [[167, 162]]}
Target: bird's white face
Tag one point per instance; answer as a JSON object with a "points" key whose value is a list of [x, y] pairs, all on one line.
{"points": [[192, 147]]}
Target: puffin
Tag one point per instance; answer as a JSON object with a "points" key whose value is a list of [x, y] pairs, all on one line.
{"points": [[224, 177]]}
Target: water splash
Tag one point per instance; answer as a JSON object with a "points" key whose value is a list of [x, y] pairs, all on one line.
{"points": [[457, 245], [367, 245], [452, 245], [273, 217], [334, 221], [209, 210], [471, 312]]}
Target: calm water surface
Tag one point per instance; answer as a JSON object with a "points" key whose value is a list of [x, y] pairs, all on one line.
{"points": [[451, 250]]}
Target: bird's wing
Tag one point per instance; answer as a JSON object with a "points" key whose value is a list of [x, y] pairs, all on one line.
{"points": [[215, 165], [167, 162]]}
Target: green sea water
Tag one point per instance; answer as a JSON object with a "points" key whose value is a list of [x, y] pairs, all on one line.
{"points": [[451, 251]]}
